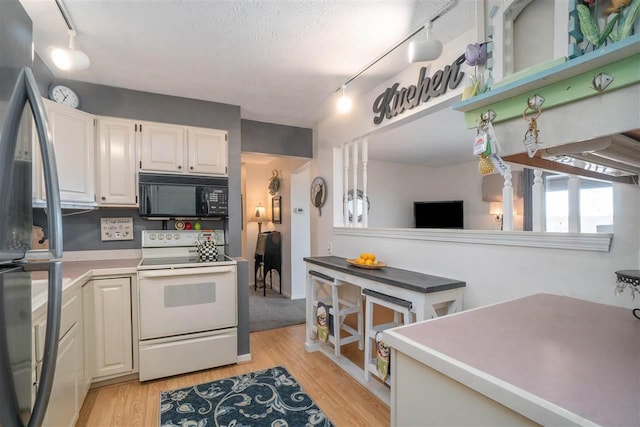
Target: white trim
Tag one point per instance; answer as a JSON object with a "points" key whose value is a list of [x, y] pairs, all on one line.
{"points": [[529, 405], [597, 242], [100, 255], [244, 358]]}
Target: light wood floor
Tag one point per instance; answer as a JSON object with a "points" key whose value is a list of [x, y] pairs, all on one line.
{"points": [[345, 401]]}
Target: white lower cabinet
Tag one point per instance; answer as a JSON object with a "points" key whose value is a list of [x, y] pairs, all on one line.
{"points": [[112, 327], [68, 391], [95, 343], [66, 400]]}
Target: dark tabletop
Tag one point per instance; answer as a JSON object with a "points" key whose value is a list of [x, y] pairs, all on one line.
{"points": [[414, 281]]}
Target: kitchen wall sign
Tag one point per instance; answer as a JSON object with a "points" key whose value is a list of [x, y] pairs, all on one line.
{"points": [[392, 101]]}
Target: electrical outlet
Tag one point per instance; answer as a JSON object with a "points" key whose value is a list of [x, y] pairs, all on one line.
{"points": [[329, 248], [116, 229]]}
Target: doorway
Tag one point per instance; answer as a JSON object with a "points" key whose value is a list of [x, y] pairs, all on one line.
{"points": [[284, 301]]}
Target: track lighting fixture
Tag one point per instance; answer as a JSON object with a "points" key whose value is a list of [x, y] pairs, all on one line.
{"points": [[344, 102], [428, 49], [419, 50], [425, 50], [71, 58]]}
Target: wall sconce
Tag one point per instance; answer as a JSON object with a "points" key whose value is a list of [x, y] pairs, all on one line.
{"points": [[495, 208], [260, 216]]}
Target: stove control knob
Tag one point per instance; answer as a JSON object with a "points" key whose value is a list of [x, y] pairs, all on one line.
{"points": [[160, 236], [176, 236], [169, 236], [152, 237]]}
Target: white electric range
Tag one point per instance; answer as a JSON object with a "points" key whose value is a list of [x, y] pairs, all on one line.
{"points": [[188, 307]]}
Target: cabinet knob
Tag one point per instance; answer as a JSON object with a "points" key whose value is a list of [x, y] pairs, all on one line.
{"points": [[179, 167], [103, 198], [191, 168]]}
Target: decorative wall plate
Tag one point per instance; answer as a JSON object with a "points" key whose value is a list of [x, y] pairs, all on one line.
{"points": [[318, 193]]}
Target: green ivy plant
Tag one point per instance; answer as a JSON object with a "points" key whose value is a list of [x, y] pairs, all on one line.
{"points": [[625, 20], [628, 19]]}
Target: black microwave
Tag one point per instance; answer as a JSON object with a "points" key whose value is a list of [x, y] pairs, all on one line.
{"points": [[183, 196]]}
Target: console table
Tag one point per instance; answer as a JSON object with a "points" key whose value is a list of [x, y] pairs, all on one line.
{"points": [[430, 296], [268, 257]]}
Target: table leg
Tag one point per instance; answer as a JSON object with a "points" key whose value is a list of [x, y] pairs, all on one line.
{"points": [[309, 311]]}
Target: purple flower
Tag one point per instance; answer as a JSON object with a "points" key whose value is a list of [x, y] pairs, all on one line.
{"points": [[476, 54]]}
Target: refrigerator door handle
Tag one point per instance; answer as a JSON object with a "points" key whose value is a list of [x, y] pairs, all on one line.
{"points": [[26, 90], [50, 354], [52, 187]]}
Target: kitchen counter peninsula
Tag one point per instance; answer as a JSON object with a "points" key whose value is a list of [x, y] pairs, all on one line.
{"points": [[430, 296], [425, 295], [539, 360]]}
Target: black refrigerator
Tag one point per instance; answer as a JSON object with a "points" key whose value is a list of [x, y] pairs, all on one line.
{"points": [[20, 105]]}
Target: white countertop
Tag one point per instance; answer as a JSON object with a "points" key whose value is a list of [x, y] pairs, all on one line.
{"points": [[550, 358], [76, 273]]}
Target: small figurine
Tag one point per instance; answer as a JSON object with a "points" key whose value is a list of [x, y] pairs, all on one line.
{"points": [[322, 315]]}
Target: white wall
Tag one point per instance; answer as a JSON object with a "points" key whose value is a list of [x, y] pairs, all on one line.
{"points": [[493, 272], [300, 229], [393, 187], [496, 273]]}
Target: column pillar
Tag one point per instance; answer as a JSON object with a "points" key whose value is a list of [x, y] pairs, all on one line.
{"points": [[537, 201]]}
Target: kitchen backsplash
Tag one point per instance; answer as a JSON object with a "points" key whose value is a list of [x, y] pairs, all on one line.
{"points": [[81, 231]]}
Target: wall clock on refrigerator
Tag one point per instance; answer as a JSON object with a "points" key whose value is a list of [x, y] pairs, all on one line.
{"points": [[318, 193], [64, 95]]}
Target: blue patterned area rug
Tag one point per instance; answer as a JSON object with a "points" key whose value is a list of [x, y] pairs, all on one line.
{"points": [[271, 397]]}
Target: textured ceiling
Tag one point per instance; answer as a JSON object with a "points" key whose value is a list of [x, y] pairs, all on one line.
{"points": [[280, 61]]}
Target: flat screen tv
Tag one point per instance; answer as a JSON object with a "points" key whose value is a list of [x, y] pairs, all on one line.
{"points": [[438, 214]]}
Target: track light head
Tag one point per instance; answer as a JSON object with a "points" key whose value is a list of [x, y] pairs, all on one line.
{"points": [[425, 50], [344, 103]]}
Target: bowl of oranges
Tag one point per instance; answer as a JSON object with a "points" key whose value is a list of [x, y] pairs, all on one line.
{"points": [[366, 260]]}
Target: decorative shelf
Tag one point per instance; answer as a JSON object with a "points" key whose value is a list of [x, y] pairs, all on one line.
{"points": [[621, 58]]}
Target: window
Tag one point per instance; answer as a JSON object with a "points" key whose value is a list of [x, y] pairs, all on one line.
{"points": [[595, 207]]}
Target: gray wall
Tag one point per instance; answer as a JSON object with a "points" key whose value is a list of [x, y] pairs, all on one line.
{"points": [[131, 104], [279, 140], [81, 231]]}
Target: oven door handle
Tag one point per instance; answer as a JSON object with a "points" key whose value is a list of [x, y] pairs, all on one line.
{"points": [[185, 272]]}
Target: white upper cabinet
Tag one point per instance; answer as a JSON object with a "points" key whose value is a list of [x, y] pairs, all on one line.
{"points": [[73, 141], [207, 151], [182, 149], [161, 147], [116, 162]]}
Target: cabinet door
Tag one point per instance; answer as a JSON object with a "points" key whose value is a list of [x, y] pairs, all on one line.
{"points": [[162, 147], [116, 162], [88, 332], [207, 151], [63, 406], [113, 344], [73, 139]]}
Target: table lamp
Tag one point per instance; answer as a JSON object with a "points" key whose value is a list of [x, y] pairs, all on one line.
{"points": [[260, 216]]}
